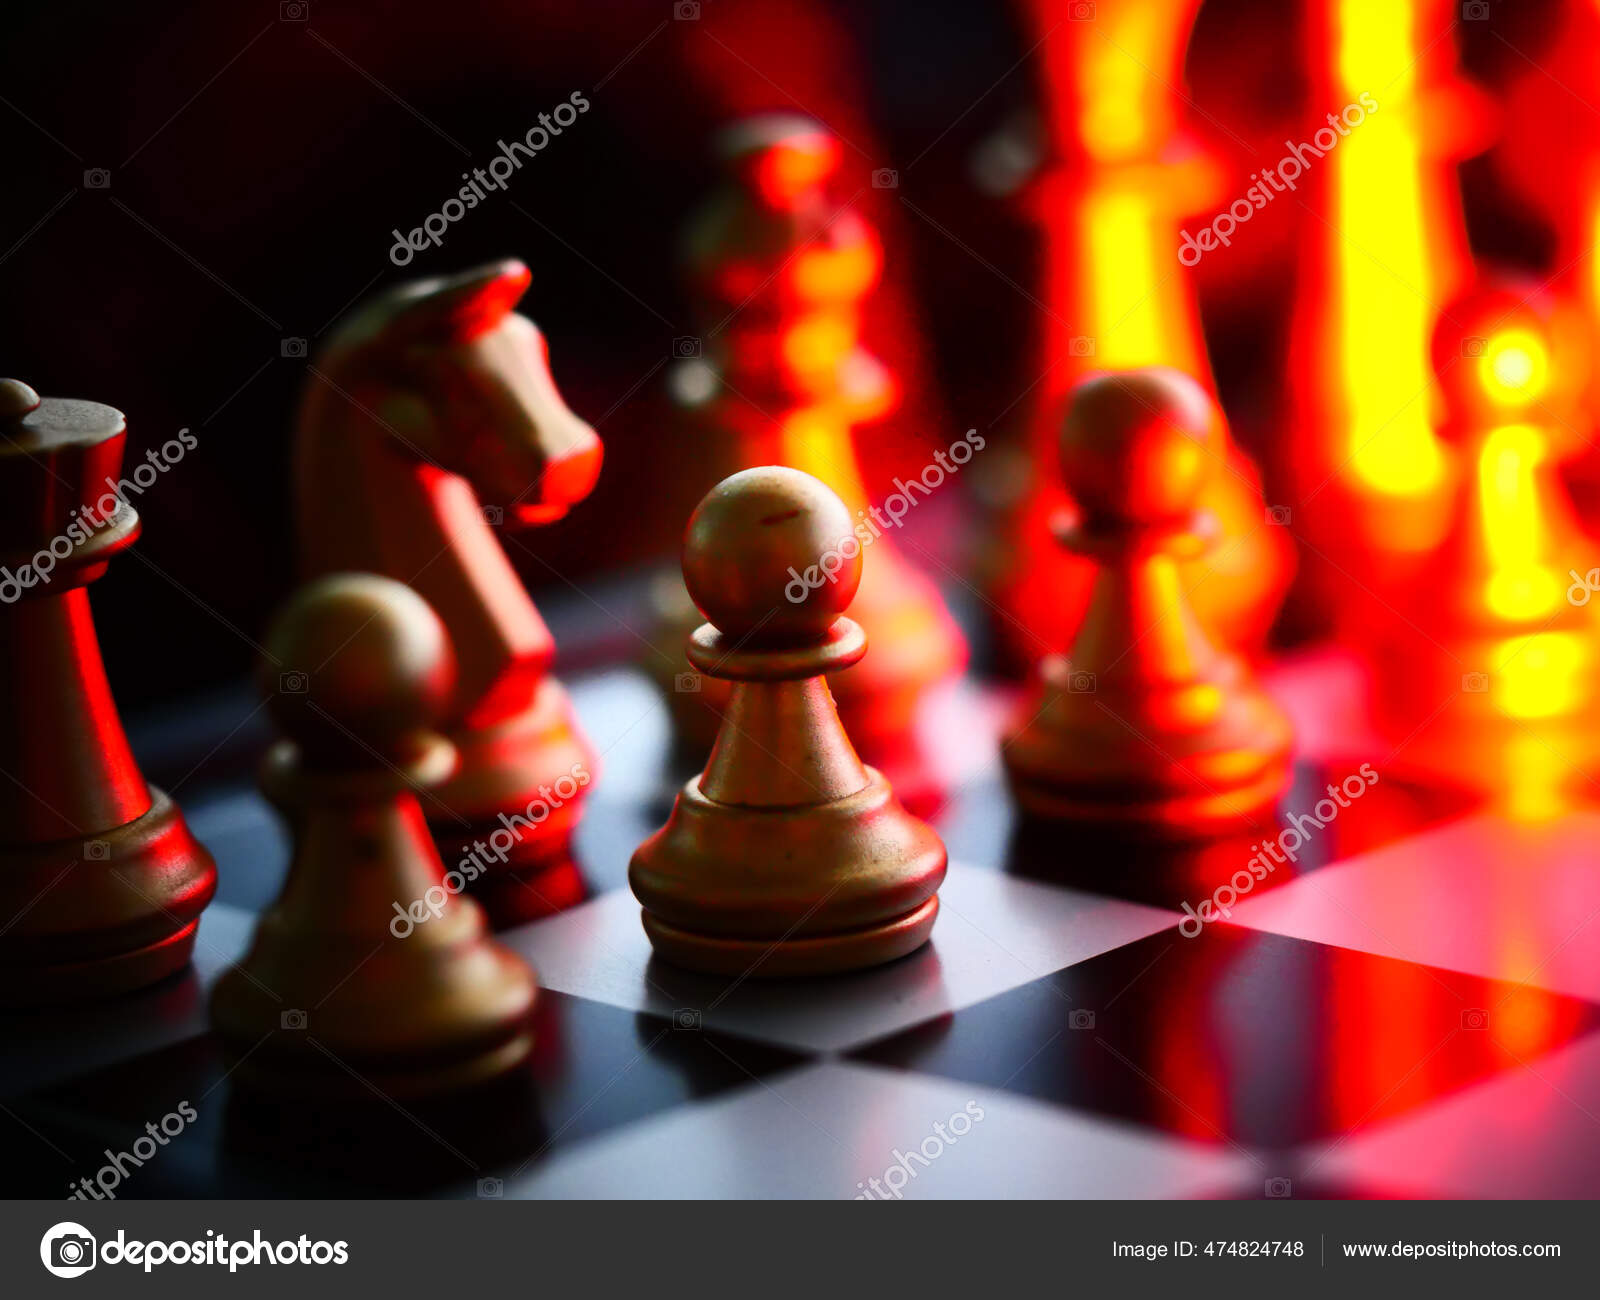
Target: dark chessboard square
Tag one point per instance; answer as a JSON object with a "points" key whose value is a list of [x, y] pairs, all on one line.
{"points": [[1244, 1038], [594, 1068]]}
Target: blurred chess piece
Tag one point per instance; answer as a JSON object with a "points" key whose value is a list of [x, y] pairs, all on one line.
{"points": [[101, 882], [430, 431], [786, 856], [1121, 175], [1146, 727], [1383, 240], [782, 273], [1499, 636], [370, 973]]}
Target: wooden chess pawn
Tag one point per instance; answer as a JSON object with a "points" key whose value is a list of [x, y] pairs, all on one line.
{"points": [[1145, 727], [787, 855], [371, 973], [783, 275], [101, 882], [431, 430]]}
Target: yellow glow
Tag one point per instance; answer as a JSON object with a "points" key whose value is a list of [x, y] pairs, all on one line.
{"points": [[1117, 83], [1521, 585], [1514, 368], [1385, 284], [1133, 312], [817, 441], [1540, 676]]}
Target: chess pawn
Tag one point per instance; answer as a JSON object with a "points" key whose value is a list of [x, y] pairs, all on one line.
{"points": [[1501, 625], [370, 972], [787, 855], [431, 430], [783, 274], [1145, 727], [101, 882]]}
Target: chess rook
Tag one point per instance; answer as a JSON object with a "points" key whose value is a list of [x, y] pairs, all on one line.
{"points": [[101, 881], [787, 855], [369, 971], [1145, 726], [432, 429]]}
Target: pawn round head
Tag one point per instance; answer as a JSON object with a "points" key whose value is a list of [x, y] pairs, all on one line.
{"points": [[1495, 353], [771, 557], [357, 667], [1137, 447]]}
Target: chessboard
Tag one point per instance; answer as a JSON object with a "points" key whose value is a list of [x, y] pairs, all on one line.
{"points": [[1409, 1009]]}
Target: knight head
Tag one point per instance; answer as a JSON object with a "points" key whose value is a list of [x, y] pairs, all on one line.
{"points": [[461, 381]]}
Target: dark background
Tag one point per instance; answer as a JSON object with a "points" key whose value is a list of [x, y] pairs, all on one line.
{"points": [[258, 164]]}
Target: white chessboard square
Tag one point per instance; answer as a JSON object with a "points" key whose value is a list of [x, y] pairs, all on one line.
{"points": [[1483, 895], [827, 1131], [994, 933]]}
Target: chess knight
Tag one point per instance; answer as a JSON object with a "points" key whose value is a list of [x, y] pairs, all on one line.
{"points": [[431, 418]]}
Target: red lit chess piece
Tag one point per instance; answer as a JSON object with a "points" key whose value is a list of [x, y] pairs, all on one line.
{"points": [[370, 971], [101, 882], [1145, 727], [431, 426], [1488, 666], [786, 856]]}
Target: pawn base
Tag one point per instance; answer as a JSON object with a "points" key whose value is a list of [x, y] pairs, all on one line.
{"points": [[823, 954], [1165, 819]]}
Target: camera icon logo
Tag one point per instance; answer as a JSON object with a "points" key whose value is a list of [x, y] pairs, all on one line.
{"points": [[686, 1019], [1475, 683], [685, 347], [1474, 1018], [1475, 11], [886, 178], [1081, 11], [494, 516], [686, 11], [1081, 683], [97, 178], [292, 1020], [293, 683], [293, 11], [292, 348], [1080, 1019], [490, 1189], [1476, 345], [96, 850], [68, 1250], [1279, 1189], [1279, 515], [686, 683], [1081, 346]]}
